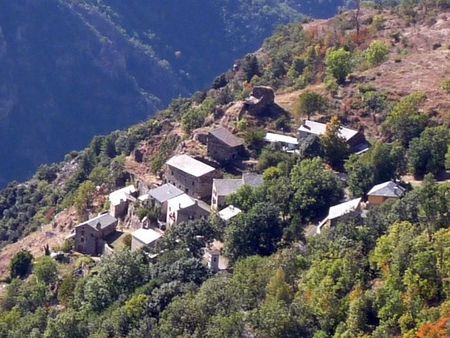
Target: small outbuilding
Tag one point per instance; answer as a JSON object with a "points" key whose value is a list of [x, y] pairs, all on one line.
{"points": [[224, 146], [337, 211], [228, 213], [120, 199], [383, 191], [145, 238], [90, 235]]}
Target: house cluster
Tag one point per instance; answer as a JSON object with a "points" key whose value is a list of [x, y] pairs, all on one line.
{"points": [[376, 196], [191, 190]]}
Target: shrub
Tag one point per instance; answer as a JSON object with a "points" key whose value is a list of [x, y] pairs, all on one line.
{"points": [[377, 53], [20, 265], [446, 85]]}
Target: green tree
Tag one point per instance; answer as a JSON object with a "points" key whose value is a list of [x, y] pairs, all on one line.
{"points": [[377, 53], [250, 67], [427, 153], [278, 289], [83, 198], [68, 324], [315, 189], [21, 264], [45, 270], [360, 176], [256, 232], [339, 64], [405, 122], [309, 103], [333, 144]]}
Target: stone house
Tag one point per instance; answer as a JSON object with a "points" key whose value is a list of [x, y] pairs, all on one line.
{"points": [[224, 187], [383, 191], [158, 197], [223, 146], [337, 211], [120, 199], [354, 138], [145, 238], [183, 208], [90, 235], [191, 176]]}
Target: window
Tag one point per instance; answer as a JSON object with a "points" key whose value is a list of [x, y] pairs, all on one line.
{"points": [[82, 239], [82, 232], [186, 191]]}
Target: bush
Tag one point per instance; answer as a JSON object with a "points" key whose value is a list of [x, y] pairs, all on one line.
{"points": [[377, 53], [446, 85], [20, 265]]}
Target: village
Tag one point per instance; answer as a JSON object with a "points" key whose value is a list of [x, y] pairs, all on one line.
{"points": [[195, 187]]}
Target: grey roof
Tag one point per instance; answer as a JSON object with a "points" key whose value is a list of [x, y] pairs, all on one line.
{"points": [[318, 128], [252, 179], [227, 137], [104, 220], [189, 165], [227, 186], [165, 192], [387, 189]]}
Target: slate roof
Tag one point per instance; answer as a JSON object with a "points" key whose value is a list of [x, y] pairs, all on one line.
{"points": [[224, 135], [318, 128], [190, 165], [340, 210], [229, 212], [227, 186], [272, 138], [180, 202], [387, 189], [252, 179], [146, 236], [105, 220], [165, 192], [116, 197]]}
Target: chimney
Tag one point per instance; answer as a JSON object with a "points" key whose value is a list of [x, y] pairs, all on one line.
{"points": [[98, 226]]}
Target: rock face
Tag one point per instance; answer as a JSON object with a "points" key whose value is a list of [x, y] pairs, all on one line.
{"points": [[262, 98]]}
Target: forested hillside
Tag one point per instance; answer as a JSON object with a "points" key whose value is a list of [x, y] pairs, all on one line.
{"points": [[74, 69], [378, 270]]}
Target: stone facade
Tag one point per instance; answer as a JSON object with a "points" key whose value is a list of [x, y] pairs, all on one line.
{"points": [[195, 186], [90, 236], [224, 147]]}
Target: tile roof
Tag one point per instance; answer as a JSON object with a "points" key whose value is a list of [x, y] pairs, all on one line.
{"points": [[189, 165], [224, 135], [387, 189], [165, 192], [318, 128]]}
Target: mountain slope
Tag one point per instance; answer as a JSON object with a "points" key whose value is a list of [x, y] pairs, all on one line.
{"points": [[74, 69]]}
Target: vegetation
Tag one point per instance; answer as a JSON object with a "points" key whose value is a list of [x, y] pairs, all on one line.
{"points": [[382, 275], [309, 103], [339, 64], [21, 264]]}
